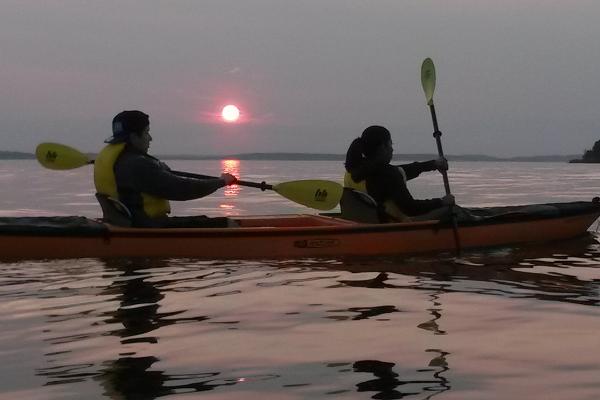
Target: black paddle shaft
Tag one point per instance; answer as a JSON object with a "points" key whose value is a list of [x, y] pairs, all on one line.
{"points": [[437, 135], [262, 186]]}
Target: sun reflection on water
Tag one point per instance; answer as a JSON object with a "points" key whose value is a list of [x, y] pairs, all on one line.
{"points": [[231, 167]]}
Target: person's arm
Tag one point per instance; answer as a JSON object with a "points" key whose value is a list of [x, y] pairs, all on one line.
{"points": [[390, 184], [179, 173], [155, 178], [192, 175], [414, 169]]}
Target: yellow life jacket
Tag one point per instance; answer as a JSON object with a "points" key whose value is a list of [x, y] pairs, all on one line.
{"points": [[390, 208], [105, 182]]}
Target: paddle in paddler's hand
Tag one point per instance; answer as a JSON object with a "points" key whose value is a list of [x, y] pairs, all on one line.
{"points": [[428, 83], [313, 193]]}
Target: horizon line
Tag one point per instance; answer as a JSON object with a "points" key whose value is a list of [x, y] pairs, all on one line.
{"points": [[279, 155]]}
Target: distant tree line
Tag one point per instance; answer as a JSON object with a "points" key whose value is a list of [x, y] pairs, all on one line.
{"points": [[15, 155], [590, 156]]}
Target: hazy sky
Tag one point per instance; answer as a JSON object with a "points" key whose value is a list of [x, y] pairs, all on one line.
{"points": [[514, 77]]}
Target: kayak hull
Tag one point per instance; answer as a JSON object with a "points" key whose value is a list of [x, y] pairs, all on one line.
{"points": [[293, 236]]}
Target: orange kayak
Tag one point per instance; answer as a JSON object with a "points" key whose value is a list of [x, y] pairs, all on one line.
{"points": [[291, 236]]}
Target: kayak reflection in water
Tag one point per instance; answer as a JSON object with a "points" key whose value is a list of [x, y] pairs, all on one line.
{"points": [[368, 170], [142, 184]]}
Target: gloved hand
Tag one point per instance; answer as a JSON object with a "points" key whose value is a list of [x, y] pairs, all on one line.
{"points": [[441, 164], [448, 200], [229, 179]]}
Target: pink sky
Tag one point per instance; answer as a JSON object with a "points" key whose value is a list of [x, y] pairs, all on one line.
{"points": [[514, 78]]}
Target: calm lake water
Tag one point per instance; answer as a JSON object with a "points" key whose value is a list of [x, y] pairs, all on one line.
{"points": [[505, 323]]}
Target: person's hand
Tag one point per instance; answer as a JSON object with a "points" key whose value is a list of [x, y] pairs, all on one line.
{"points": [[448, 200], [229, 179], [441, 164]]}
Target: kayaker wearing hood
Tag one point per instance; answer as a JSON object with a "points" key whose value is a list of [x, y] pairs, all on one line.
{"points": [[368, 170], [125, 171]]}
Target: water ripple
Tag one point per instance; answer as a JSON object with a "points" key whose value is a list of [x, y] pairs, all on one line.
{"points": [[508, 321]]}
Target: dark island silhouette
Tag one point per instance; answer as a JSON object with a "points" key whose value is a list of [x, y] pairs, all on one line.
{"points": [[590, 156], [16, 155]]}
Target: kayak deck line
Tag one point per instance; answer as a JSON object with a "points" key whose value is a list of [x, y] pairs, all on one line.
{"points": [[289, 236], [250, 226]]}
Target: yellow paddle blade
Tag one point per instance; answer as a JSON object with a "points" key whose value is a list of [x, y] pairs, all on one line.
{"points": [[59, 156], [313, 193], [428, 79]]}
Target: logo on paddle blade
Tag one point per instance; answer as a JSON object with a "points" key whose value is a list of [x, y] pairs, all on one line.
{"points": [[427, 74], [321, 195], [51, 156]]}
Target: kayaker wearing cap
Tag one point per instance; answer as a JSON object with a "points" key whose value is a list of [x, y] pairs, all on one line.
{"points": [[368, 170], [124, 170]]}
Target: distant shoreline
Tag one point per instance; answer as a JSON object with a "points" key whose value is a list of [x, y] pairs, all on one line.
{"points": [[15, 155]]}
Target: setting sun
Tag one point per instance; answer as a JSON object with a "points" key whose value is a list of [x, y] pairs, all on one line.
{"points": [[230, 113]]}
